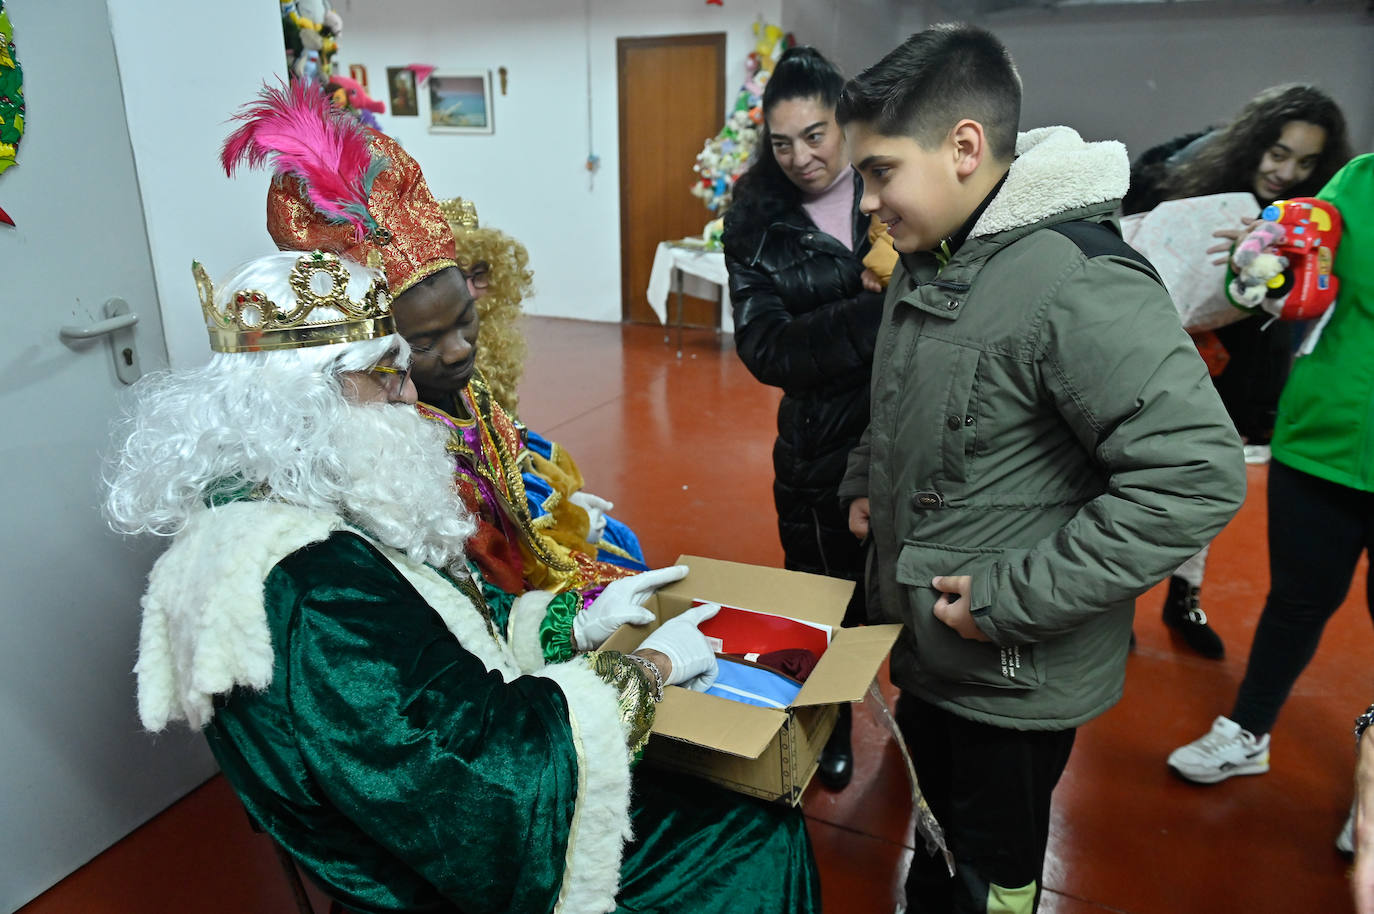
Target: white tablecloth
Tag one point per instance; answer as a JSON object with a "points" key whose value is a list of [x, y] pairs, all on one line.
{"points": [[701, 273]]}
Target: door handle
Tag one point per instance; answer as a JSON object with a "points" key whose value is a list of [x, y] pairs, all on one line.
{"points": [[118, 325], [100, 329]]}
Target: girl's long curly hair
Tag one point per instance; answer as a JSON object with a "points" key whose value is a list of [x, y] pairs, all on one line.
{"points": [[1228, 162], [764, 192]]}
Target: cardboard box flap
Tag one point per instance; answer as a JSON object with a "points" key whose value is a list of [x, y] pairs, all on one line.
{"points": [[728, 726], [812, 597], [849, 665]]}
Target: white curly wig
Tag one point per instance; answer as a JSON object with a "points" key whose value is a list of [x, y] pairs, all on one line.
{"points": [[277, 425]]}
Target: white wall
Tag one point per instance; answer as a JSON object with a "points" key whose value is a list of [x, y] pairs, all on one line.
{"points": [[853, 34], [1146, 73], [1141, 75], [528, 178], [177, 96]]}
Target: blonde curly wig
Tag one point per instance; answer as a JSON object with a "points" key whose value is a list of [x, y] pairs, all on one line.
{"points": [[501, 346]]}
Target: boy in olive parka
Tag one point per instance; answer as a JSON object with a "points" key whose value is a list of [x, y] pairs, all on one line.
{"points": [[1044, 445]]}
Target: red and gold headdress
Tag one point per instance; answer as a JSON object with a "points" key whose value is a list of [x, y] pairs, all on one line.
{"points": [[340, 187]]}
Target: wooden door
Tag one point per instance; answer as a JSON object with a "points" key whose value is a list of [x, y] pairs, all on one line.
{"points": [[672, 99]]}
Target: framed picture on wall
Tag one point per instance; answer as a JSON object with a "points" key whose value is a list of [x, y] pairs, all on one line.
{"points": [[400, 85], [460, 102]]}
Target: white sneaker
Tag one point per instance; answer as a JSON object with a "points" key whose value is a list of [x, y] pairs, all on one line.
{"points": [[1225, 751], [1256, 454], [1345, 841]]}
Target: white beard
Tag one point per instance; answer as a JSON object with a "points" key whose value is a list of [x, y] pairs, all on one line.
{"points": [[401, 483]]}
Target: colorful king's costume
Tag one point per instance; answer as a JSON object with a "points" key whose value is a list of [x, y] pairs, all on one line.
{"points": [[519, 536], [408, 233], [410, 748], [551, 475], [398, 727]]}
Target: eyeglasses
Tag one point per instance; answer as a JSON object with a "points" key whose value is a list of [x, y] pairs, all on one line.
{"points": [[479, 276], [392, 380]]}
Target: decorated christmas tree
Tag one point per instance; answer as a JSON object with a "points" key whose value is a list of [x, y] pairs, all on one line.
{"points": [[726, 155]]}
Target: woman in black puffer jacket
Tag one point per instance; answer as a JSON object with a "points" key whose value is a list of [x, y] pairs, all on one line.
{"points": [[806, 317]]}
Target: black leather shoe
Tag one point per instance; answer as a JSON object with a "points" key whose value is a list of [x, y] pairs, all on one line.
{"points": [[837, 758], [1183, 613]]}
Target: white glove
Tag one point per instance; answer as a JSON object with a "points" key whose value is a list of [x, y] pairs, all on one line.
{"points": [[597, 508], [622, 601], [693, 660]]}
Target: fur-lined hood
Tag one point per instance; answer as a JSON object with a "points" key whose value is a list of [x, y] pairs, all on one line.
{"points": [[1056, 173]]}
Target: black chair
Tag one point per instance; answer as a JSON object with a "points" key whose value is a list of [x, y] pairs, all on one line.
{"points": [[293, 875]]}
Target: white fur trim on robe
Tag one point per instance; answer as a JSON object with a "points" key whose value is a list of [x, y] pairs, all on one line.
{"points": [[523, 630], [204, 629], [205, 632], [601, 820], [1055, 171]]}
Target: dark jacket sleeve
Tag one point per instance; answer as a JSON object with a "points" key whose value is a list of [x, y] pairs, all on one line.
{"points": [[855, 482], [796, 352], [1129, 383]]}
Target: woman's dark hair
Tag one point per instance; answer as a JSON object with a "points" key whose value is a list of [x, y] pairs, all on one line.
{"points": [[764, 192], [1228, 161]]}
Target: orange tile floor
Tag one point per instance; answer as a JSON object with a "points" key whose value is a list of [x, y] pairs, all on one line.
{"points": [[683, 449]]}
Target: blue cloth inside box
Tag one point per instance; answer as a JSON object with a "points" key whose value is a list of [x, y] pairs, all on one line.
{"points": [[743, 681]]}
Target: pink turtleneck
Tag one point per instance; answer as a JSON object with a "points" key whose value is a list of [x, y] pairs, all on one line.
{"points": [[833, 208]]}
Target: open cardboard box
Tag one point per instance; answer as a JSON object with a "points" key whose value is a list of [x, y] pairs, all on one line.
{"points": [[763, 752]]}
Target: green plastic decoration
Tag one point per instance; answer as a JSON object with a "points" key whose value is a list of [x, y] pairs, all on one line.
{"points": [[11, 100]]}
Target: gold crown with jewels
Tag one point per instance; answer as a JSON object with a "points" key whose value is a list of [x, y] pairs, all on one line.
{"points": [[460, 212], [249, 321]]}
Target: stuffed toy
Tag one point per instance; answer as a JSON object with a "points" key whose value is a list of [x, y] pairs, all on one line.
{"points": [[1255, 266], [713, 233], [882, 256], [354, 95], [724, 158], [311, 41], [1283, 264], [347, 94]]}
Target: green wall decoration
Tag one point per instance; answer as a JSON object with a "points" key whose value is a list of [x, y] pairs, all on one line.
{"points": [[11, 100]]}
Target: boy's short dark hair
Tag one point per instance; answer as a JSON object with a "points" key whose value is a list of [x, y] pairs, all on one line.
{"points": [[933, 80]]}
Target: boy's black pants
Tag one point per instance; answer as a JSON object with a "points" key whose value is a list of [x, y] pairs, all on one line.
{"points": [[990, 789]]}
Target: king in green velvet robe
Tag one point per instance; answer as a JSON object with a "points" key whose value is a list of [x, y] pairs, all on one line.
{"points": [[407, 742]]}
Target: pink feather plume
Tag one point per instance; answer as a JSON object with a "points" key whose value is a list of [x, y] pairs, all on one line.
{"points": [[305, 137]]}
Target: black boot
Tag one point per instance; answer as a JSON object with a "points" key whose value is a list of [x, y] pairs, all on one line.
{"points": [[1183, 613], [837, 758]]}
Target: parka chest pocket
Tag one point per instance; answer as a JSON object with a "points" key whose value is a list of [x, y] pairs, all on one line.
{"points": [[954, 389], [941, 651]]}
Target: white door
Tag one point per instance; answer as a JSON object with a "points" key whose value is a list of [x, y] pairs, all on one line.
{"points": [[76, 772]]}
